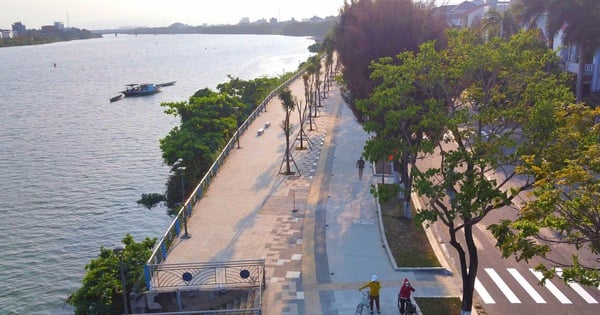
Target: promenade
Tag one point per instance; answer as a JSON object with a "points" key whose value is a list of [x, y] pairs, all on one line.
{"points": [[319, 230]]}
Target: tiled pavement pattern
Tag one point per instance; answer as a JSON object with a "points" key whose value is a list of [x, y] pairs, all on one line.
{"points": [[317, 231], [283, 263]]}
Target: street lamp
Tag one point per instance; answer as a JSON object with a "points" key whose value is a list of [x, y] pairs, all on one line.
{"points": [[119, 251], [181, 170]]}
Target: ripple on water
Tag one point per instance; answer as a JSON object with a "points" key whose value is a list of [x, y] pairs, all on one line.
{"points": [[73, 164]]}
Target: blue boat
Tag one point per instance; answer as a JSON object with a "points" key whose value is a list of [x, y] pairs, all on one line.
{"points": [[140, 89]]}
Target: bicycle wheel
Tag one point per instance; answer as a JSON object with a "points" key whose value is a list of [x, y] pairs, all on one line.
{"points": [[359, 309]]}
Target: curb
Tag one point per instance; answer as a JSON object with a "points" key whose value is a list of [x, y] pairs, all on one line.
{"points": [[438, 251]]}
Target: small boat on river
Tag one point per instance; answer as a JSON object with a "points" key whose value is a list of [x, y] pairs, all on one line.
{"points": [[140, 89]]}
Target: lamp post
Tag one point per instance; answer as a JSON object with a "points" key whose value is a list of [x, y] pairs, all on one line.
{"points": [[181, 170], [120, 250]]}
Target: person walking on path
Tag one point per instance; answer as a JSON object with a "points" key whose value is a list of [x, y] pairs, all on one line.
{"points": [[360, 164], [404, 295], [374, 287]]}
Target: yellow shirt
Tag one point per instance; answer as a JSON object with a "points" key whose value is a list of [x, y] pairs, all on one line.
{"points": [[374, 286]]}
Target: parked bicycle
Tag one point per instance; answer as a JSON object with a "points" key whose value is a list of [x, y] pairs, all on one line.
{"points": [[363, 304]]}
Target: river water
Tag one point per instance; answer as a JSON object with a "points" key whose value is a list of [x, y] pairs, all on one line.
{"points": [[72, 165]]}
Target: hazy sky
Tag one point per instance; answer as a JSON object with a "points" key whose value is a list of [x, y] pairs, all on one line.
{"points": [[97, 14]]}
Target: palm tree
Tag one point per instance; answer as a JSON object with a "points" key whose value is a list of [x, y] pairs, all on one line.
{"points": [[577, 19], [501, 24]]}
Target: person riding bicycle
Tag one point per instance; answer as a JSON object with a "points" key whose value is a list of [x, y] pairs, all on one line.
{"points": [[404, 295], [374, 287]]}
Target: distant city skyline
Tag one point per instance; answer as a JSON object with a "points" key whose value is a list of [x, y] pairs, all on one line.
{"points": [[112, 14]]}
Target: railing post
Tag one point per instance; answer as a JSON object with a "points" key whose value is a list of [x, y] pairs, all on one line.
{"points": [[147, 276]]}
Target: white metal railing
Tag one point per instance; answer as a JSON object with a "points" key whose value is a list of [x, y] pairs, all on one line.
{"points": [[162, 248]]}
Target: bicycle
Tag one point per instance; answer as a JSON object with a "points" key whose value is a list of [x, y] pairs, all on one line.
{"points": [[364, 303], [411, 308]]}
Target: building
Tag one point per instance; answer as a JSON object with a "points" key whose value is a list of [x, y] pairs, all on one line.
{"points": [[570, 58], [470, 13], [4, 34], [18, 29]]}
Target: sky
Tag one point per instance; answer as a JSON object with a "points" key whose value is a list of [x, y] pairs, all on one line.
{"points": [[112, 14]]}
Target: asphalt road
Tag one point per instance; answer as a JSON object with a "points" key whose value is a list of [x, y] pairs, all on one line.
{"points": [[505, 286]]}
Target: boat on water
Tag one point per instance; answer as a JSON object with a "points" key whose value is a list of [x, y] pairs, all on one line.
{"points": [[143, 89], [140, 89]]}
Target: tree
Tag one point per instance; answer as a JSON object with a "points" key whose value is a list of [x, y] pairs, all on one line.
{"points": [[288, 102], [307, 80], [328, 50], [576, 20], [316, 72], [565, 200], [369, 30], [501, 24], [101, 292], [470, 110], [208, 120]]}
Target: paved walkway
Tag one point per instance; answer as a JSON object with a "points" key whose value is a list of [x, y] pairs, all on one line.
{"points": [[317, 256]]}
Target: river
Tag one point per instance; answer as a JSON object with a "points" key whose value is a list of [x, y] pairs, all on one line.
{"points": [[73, 165]]}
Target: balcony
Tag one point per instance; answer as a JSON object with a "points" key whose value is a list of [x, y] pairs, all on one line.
{"points": [[587, 70]]}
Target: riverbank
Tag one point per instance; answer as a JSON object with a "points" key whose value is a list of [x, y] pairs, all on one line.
{"points": [[41, 38]]}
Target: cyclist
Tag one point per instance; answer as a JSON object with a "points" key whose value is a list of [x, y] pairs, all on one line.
{"points": [[374, 287]]}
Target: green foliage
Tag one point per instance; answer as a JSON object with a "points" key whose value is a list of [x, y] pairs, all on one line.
{"points": [[37, 37], [150, 200], [456, 116], [385, 192], [564, 200], [315, 48], [101, 293], [208, 121], [289, 103]]}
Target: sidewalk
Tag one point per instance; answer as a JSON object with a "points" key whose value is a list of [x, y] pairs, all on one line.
{"points": [[317, 256]]}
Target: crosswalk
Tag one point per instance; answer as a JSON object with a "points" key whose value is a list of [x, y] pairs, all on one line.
{"points": [[540, 294]]}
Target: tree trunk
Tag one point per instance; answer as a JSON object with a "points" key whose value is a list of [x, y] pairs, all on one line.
{"points": [[407, 183], [469, 272], [469, 280], [287, 143]]}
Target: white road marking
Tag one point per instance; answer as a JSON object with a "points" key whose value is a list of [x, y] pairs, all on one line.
{"points": [[552, 288], [483, 293], [510, 295], [528, 288], [579, 289]]}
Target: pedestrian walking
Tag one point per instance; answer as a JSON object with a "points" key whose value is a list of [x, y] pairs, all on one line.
{"points": [[360, 164], [374, 287], [404, 295]]}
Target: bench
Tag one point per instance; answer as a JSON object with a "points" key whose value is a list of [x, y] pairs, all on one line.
{"points": [[260, 132]]}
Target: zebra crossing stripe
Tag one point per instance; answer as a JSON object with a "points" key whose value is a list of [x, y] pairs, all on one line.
{"points": [[579, 289], [483, 293], [510, 295], [528, 288], [551, 287]]}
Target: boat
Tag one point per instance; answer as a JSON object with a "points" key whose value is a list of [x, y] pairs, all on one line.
{"points": [[140, 89], [143, 89], [166, 84]]}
